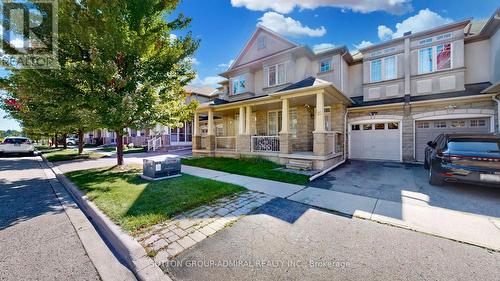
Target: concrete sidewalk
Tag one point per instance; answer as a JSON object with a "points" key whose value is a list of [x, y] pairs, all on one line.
{"points": [[412, 213], [274, 188]]}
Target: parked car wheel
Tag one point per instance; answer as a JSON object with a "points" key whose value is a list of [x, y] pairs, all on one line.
{"points": [[426, 163], [435, 179]]}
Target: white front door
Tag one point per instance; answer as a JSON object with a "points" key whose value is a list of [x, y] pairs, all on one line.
{"points": [[375, 141]]}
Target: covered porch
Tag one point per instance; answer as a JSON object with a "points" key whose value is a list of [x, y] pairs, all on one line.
{"points": [[302, 128]]}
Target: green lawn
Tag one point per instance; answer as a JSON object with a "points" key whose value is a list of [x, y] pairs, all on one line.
{"points": [[135, 203], [54, 155], [253, 167], [125, 149]]}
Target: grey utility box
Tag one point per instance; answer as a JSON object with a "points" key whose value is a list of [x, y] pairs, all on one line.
{"points": [[158, 168]]}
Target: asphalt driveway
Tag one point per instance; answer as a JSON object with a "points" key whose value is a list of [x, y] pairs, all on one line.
{"points": [[285, 240], [396, 181]]}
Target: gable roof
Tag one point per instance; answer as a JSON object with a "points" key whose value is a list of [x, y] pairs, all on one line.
{"points": [[260, 28], [203, 91]]}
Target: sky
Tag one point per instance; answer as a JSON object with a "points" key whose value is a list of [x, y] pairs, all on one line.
{"points": [[224, 26]]}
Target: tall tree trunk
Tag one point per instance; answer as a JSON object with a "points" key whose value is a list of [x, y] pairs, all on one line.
{"points": [[119, 147], [56, 142], [80, 141], [65, 143]]}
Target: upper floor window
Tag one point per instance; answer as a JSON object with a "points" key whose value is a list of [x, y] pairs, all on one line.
{"points": [[238, 85], [390, 67], [434, 58], [276, 74], [383, 69], [261, 43], [443, 56], [376, 70], [325, 65]]}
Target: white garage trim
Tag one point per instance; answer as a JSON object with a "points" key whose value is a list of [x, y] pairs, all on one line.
{"points": [[374, 119], [438, 115]]}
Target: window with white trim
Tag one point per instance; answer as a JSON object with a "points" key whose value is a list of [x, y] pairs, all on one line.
{"points": [[273, 123], [274, 119], [390, 68], [328, 119], [376, 70], [276, 74], [478, 123], [325, 65], [261, 43], [440, 124], [435, 58], [458, 123], [238, 85], [423, 125], [383, 69]]}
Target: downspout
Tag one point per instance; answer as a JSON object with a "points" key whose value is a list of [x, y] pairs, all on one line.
{"points": [[495, 98], [345, 128], [342, 72]]}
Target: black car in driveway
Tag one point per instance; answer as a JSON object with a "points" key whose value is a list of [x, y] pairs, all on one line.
{"points": [[464, 158]]}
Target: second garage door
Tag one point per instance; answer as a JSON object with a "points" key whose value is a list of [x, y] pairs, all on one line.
{"points": [[376, 141], [426, 131]]}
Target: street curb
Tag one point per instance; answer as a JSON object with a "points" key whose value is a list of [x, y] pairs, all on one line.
{"points": [[125, 247]]}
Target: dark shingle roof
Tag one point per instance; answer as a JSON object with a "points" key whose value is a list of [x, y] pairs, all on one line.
{"points": [[308, 82]]}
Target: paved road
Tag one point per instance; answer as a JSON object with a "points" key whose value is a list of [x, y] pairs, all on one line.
{"points": [[37, 240], [395, 181], [285, 240]]}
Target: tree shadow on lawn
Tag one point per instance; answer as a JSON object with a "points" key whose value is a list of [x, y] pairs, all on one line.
{"points": [[136, 204]]}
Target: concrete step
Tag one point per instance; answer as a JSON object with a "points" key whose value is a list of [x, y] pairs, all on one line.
{"points": [[296, 164], [170, 148]]}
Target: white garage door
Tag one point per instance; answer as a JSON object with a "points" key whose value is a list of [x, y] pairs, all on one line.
{"points": [[426, 131], [376, 141]]}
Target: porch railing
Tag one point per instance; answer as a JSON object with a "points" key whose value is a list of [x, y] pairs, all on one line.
{"points": [[265, 144], [225, 143], [333, 142], [154, 144], [204, 142]]}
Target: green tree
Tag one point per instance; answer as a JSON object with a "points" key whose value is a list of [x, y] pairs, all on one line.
{"points": [[120, 67], [131, 68]]}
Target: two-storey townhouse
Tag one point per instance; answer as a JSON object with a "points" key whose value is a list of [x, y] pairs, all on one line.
{"points": [[283, 102], [420, 85]]}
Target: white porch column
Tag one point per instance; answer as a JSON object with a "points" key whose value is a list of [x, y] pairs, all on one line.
{"points": [[285, 124], [248, 120], [319, 120], [196, 124], [241, 129], [210, 121]]}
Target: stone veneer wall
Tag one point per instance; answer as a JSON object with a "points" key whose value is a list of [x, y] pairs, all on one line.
{"points": [[408, 111], [305, 127]]}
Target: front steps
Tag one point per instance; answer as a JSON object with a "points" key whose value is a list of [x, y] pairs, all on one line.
{"points": [[171, 148], [302, 165]]}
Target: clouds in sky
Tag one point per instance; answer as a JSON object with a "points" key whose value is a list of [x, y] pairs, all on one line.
{"points": [[210, 81], [288, 26], [423, 20], [362, 6], [322, 47], [363, 44], [225, 65]]}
